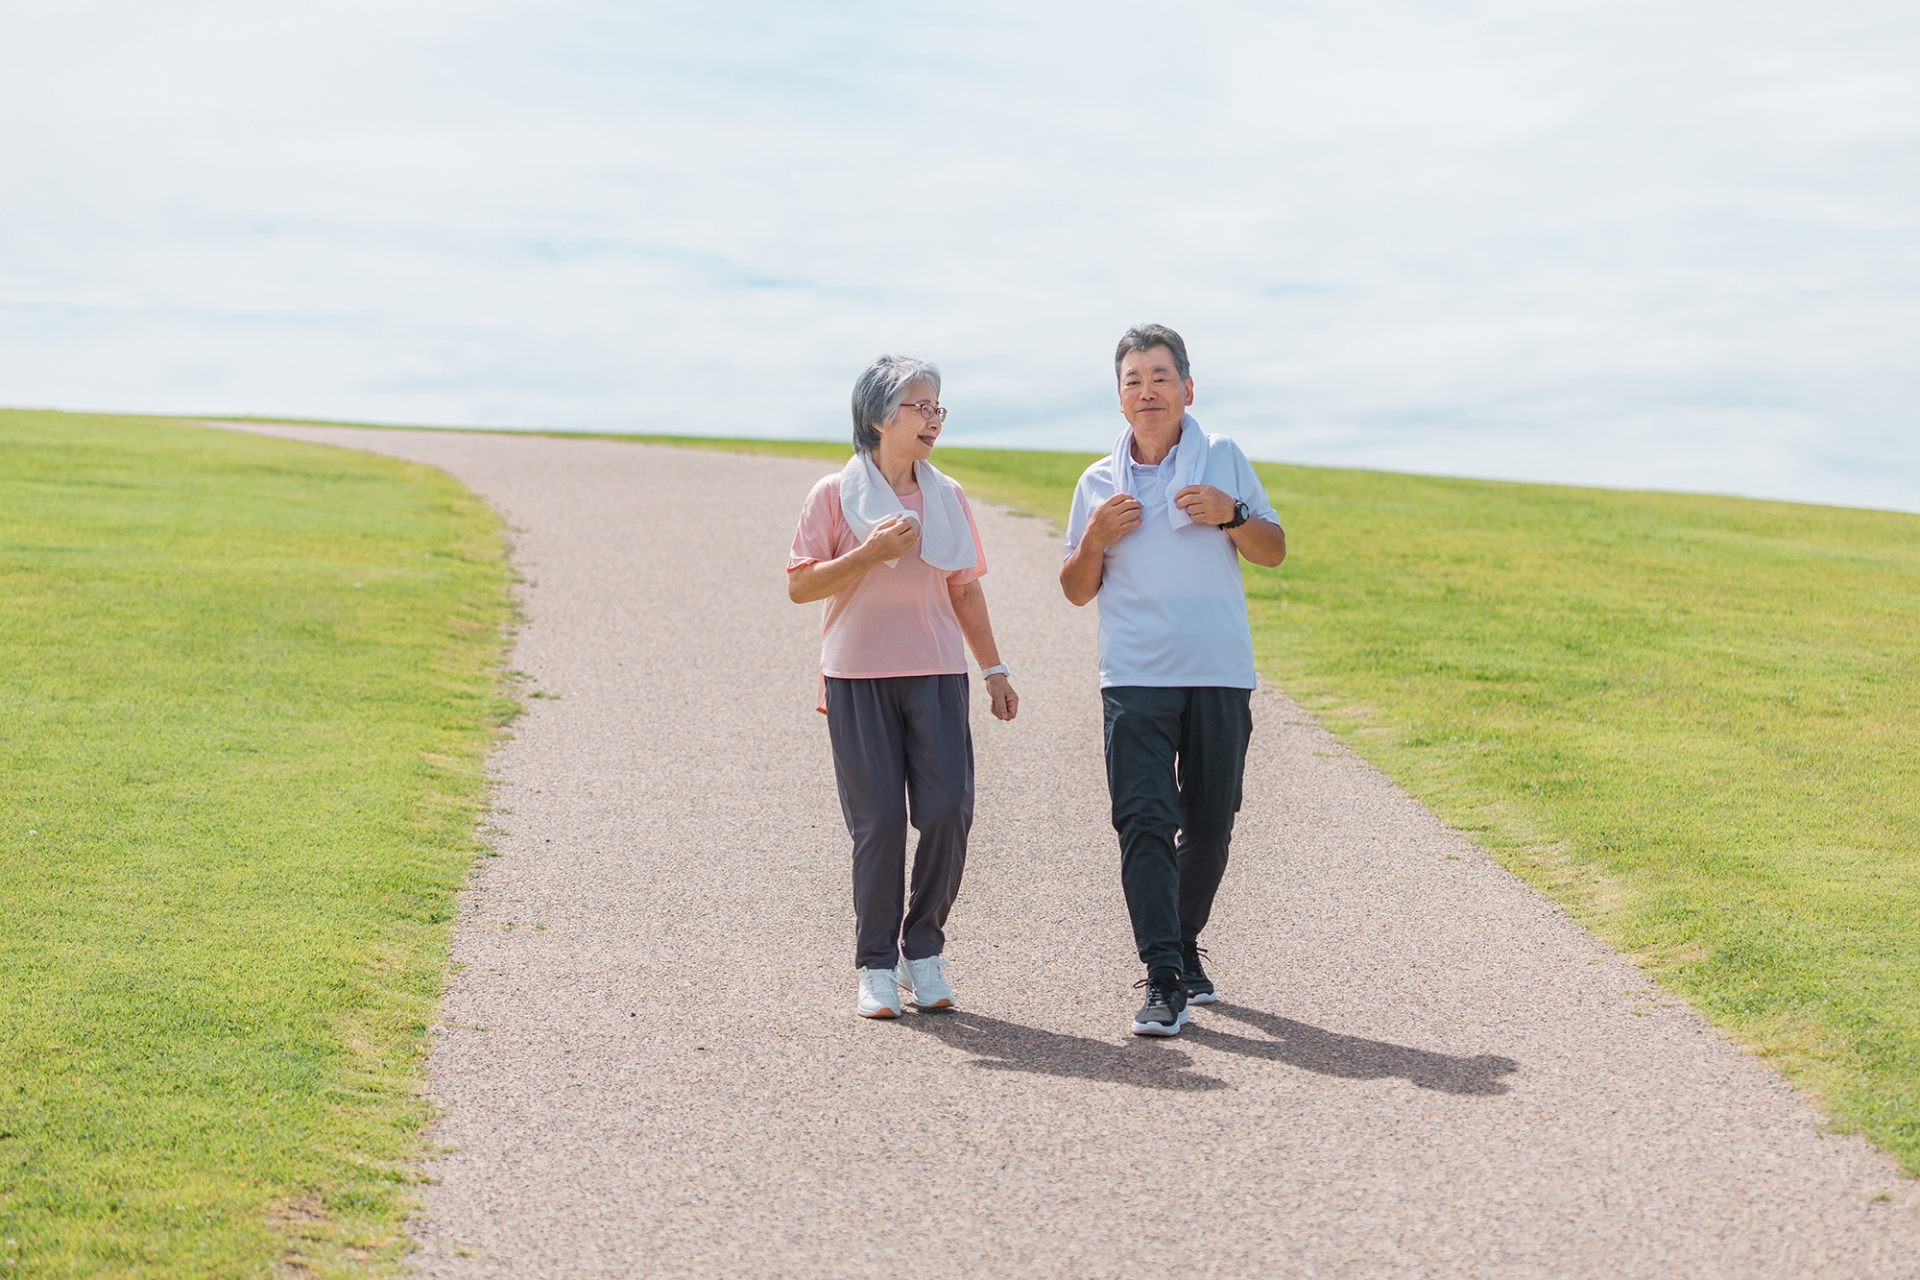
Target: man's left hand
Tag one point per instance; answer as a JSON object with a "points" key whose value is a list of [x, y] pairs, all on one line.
{"points": [[1205, 504]]}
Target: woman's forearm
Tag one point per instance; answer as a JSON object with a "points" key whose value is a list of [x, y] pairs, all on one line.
{"points": [[970, 610], [825, 578]]}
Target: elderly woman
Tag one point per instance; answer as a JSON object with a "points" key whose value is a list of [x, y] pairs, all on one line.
{"points": [[890, 544]]}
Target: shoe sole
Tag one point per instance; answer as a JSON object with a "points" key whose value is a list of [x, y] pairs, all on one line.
{"points": [[909, 996], [1205, 997], [877, 1013], [1161, 1028]]}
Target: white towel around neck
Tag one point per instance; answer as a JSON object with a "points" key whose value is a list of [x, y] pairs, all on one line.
{"points": [[1189, 466], [946, 539]]}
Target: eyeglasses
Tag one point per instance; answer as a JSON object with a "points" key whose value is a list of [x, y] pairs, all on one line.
{"points": [[929, 410]]}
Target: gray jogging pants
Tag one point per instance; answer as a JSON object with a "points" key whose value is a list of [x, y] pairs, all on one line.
{"points": [[903, 750]]}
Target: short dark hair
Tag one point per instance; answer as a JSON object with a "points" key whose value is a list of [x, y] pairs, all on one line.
{"points": [[1145, 337]]}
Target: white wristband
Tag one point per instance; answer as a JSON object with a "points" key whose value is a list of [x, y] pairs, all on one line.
{"points": [[997, 669]]}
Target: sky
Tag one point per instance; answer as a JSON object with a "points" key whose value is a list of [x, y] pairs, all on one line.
{"points": [[1624, 243]]}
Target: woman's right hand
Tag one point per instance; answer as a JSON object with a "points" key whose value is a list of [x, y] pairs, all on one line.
{"points": [[890, 539]]}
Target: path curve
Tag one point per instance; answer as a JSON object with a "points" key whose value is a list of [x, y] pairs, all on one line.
{"points": [[649, 1067]]}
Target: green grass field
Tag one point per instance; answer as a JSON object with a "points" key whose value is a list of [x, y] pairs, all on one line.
{"points": [[1695, 721], [248, 687]]}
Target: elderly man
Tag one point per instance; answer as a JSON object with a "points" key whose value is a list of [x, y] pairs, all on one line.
{"points": [[1156, 535]]}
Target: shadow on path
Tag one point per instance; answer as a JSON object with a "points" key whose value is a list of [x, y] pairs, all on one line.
{"points": [[1008, 1046], [1328, 1053]]}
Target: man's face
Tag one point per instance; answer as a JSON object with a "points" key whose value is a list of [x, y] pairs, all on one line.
{"points": [[1153, 395]]}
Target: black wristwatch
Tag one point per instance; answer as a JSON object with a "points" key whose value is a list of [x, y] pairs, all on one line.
{"points": [[1241, 514]]}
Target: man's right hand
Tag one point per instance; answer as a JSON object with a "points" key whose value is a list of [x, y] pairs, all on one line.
{"points": [[1113, 520], [891, 539]]}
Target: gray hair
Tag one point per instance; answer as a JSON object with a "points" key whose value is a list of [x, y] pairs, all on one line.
{"points": [[1145, 337], [878, 391]]}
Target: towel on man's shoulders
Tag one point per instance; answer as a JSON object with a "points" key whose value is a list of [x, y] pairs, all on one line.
{"points": [[946, 539], [1189, 466]]}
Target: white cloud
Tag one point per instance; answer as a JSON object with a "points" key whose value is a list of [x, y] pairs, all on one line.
{"points": [[1619, 244]]}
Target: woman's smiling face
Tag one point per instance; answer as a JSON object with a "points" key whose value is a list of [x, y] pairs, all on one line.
{"points": [[909, 433]]}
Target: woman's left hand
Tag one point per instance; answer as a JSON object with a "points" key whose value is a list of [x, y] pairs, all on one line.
{"points": [[1006, 703]]}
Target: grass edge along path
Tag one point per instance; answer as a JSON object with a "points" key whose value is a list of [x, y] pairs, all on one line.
{"points": [[1693, 721], [252, 684]]}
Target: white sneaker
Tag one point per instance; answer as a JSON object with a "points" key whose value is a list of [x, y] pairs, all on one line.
{"points": [[878, 996], [927, 979]]}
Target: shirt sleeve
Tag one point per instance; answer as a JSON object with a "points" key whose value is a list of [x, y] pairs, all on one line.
{"points": [[1251, 491], [813, 540], [961, 577], [1077, 518]]}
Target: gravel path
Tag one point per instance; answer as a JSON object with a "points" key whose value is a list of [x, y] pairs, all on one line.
{"points": [[650, 1066]]}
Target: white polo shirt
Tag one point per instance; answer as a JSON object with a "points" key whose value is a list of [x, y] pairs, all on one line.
{"points": [[1172, 611]]}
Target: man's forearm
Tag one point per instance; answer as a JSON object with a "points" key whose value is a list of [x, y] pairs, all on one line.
{"points": [[1080, 575], [1261, 541]]}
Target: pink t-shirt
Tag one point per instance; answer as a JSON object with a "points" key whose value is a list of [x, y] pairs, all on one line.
{"points": [[889, 622]]}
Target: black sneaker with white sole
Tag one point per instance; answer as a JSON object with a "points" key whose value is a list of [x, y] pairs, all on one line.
{"points": [[1199, 986], [1165, 1011]]}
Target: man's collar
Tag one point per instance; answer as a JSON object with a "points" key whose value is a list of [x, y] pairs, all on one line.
{"points": [[1135, 462]]}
